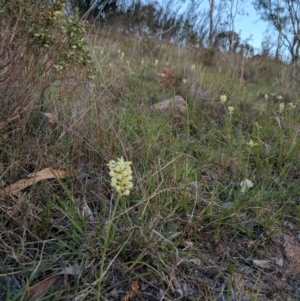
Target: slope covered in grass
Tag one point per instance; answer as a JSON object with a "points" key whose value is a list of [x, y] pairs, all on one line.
{"points": [[188, 230]]}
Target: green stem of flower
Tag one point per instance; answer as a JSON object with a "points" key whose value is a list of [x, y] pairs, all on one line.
{"points": [[258, 149], [105, 247], [247, 165]]}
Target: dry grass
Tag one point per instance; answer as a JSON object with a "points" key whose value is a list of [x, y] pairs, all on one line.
{"points": [[186, 232]]}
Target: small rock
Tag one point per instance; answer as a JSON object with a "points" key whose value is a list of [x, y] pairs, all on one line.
{"points": [[177, 103]]}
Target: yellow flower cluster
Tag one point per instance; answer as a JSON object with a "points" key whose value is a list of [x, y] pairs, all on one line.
{"points": [[291, 105], [281, 107], [121, 176], [223, 98], [230, 110], [251, 143]]}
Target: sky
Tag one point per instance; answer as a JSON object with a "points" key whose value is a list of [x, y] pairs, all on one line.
{"points": [[251, 25]]}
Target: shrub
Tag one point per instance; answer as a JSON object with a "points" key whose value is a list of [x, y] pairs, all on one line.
{"points": [[40, 46]]}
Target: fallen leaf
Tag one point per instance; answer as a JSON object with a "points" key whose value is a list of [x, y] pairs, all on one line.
{"points": [[52, 119], [40, 289], [47, 173]]}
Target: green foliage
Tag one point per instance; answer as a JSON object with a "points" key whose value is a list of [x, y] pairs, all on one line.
{"points": [[40, 45], [211, 184]]}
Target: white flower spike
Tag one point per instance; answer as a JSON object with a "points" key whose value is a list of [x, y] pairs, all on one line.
{"points": [[223, 98], [121, 176], [230, 110]]}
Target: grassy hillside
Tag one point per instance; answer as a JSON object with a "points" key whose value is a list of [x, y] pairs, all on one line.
{"points": [[192, 228]]}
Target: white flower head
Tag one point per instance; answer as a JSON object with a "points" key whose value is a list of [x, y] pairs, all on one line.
{"points": [[223, 98], [245, 185], [266, 96], [257, 125], [281, 107], [279, 97], [251, 143], [184, 81], [121, 176], [291, 105], [230, 110], [156, 62]]}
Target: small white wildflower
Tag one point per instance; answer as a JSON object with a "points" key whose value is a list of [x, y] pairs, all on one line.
{"points": [[156, 62], [266, 96], [193, 67], [223, 98], [257, 125], [279, 97], [251, 143], [245, 185], [230, 110], [281, 107], [184, 81], [291, 105]]}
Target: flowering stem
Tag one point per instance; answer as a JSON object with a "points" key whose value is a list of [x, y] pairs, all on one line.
{"points": [[247, 165], [105, 247], [121, 180], [229, 128]]}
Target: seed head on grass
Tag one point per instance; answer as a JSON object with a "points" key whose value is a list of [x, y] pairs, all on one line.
{"points": [[121, 176]]}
